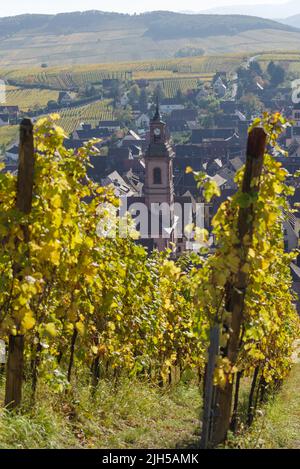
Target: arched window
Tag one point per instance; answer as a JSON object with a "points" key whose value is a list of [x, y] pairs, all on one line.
{"points": [[156, 176]]}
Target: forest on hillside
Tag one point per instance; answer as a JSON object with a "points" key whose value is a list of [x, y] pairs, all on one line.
{"points": [[160, 25]]}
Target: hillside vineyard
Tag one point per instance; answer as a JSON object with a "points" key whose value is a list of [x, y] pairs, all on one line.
{"points": [[149, 233]]}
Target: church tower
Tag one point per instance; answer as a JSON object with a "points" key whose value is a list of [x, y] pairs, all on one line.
{"points": [[159, 187]]}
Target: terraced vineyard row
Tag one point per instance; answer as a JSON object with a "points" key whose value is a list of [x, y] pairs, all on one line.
{"points": [[71, 118], [290, 61], [8, 134], [70, 78], [172, 86], [29, 98], [279, 56], [66, 80], [205, 64]]}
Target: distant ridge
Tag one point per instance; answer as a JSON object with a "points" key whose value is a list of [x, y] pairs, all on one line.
{"points": [[95, 36], [275, 11], [293, 21], [160, 24]]}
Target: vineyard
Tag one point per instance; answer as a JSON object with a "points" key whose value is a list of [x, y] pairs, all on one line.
{"points": [[79, 76], [171, 86], [28, 99], [288, 60], [79, 309], [173, 74], [71, 118], [8, 134]]}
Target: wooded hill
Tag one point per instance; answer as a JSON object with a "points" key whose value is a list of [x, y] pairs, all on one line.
{"points": [[98, 37], [160, 25]]}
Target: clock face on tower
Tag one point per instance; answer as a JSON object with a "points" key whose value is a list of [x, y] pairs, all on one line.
{"points": [[157, 132]]}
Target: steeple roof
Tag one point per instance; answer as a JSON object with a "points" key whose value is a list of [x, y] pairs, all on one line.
{"points": [[157, 115]]}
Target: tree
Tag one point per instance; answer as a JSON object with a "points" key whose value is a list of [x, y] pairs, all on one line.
{"points": [[190, 52], [271, 67], [276, 73], [52, 104], [251, 105], [159, 92], [89, 91], [134, 94], [246, 81], [179, 96], [124, 116], [207, 121], [116, 92], [255, 67], [210, 104], [143, 100]]}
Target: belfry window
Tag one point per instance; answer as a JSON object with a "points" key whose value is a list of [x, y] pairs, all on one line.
{"points": [[157, 176]]}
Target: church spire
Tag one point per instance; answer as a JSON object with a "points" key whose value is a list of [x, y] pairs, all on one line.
{"points": [[157, 116]]}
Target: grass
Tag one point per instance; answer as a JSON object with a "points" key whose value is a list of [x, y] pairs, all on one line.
{"points": [[134, 415], [38, 430], [281, 423], [137, 414], [277, 425]]}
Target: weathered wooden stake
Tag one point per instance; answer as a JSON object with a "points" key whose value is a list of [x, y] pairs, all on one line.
{"points": [[72, 353], [236, 290], [235, 417], [15, 362], [251, 404], [14, 372], [207, 419]]}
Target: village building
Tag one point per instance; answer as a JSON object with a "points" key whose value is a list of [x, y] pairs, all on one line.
{"points": [[4, 119], [12, 111], [142, 121], [65, 98], [188, 115], [110, 125], [170, 104], [220, 88]]}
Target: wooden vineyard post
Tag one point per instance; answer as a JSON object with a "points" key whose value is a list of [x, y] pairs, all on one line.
{"points": [[236, 289], [209, 388], [14, 371]]}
